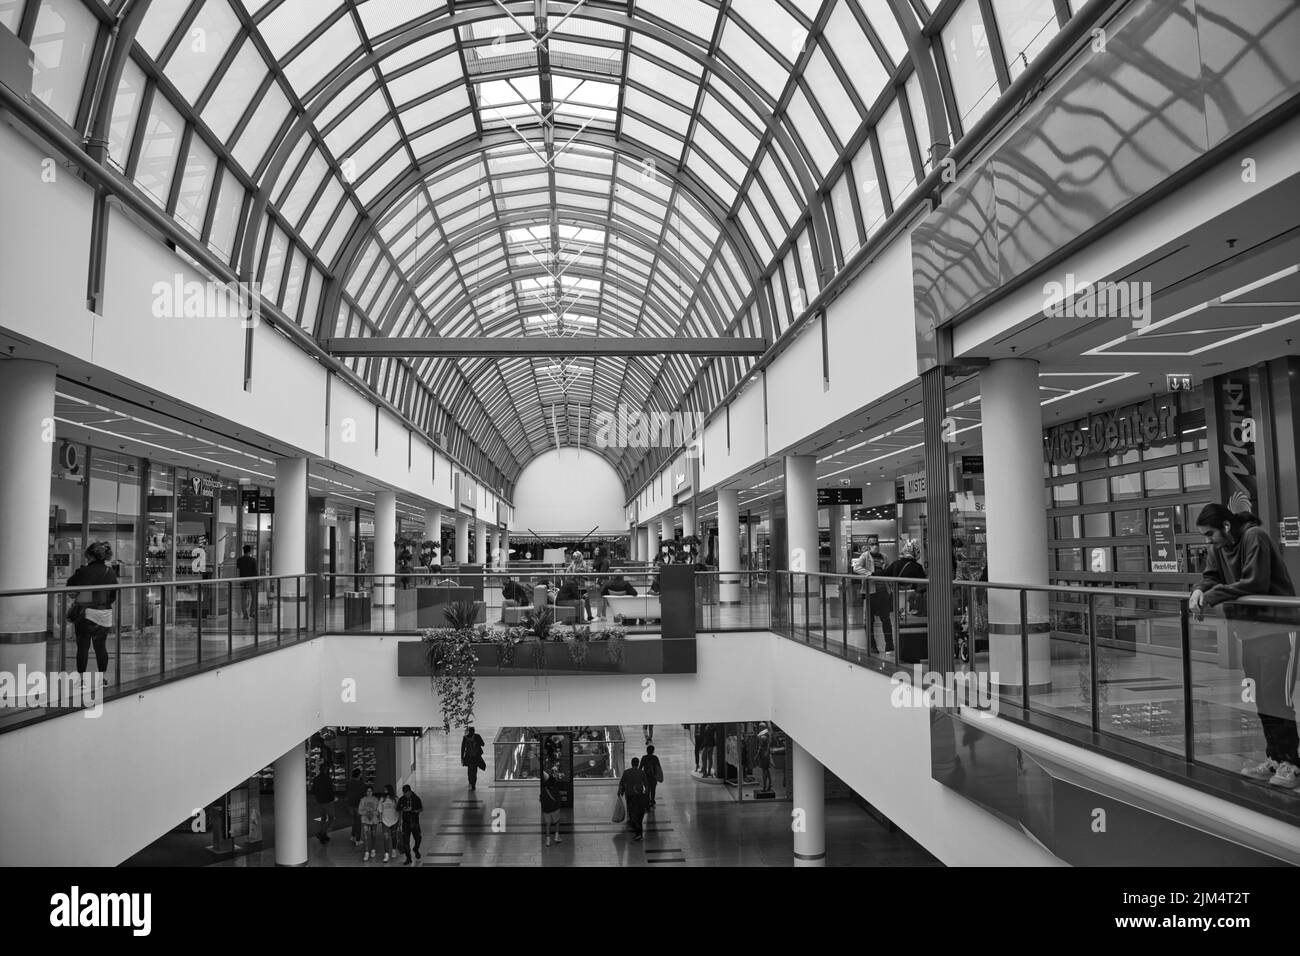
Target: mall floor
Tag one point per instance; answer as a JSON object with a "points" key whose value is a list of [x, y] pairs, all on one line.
{"points": [[697, 822]]}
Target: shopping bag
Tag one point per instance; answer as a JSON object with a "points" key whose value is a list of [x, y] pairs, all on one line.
{"points": [[620, 811], [482, 764]]}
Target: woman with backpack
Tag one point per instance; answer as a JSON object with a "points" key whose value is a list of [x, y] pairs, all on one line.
{"points": [[93, 616]]}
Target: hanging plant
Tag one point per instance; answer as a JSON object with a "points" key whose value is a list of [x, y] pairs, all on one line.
{"points": [[450, 656], [579, 642], [615, 644], [507, 641]]}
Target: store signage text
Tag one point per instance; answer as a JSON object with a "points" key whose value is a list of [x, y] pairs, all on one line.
{"points": [[913, 486], [202, 486], [1146, 423], [1238, 461], [1164, 550], [838, 496]]}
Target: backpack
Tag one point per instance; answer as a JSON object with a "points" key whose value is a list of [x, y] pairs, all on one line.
{"points": [[658, 770]]}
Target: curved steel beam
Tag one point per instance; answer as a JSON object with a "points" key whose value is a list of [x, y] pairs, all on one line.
{"points": [[420, 30]]}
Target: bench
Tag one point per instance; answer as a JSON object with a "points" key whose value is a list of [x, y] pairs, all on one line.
{"points": [[642, 607]]}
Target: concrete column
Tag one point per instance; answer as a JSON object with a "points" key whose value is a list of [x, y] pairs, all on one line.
{"points": [[433, 524], [291, 805], [26, 439], [462, 538], [384, 592], [728, 546], [665, 528], [1017, 531], [289, 534], [689, 525], [480, 543], [801, 511], [634, 544], [652, 540], [810, 802], [836, 515]]}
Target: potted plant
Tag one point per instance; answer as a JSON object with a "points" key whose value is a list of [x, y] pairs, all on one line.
{"points": [[615, 644], [507, 641], [449, 653], [461, 615], [578, 640]]}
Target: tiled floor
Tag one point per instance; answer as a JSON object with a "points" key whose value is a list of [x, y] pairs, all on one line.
{"points": [[696, 822]]}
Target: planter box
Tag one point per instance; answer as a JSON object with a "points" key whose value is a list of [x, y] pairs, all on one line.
{"points": [[654, 656]]}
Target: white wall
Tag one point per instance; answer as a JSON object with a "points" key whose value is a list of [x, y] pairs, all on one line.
{"points": [[568, 490], [77, 791]]}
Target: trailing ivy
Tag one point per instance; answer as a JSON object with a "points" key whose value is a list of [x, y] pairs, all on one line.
{"points": [[451, 659]]}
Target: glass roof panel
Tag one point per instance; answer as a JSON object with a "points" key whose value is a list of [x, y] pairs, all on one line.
{"points": [[207, 39]]}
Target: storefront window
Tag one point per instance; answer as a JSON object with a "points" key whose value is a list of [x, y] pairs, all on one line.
{"points": [[1159, 451], [1069, 559], [1096, 525], [1064, 495], [1125, 487], [67, 511], [1094, 491], [1132, 558], [1130, 522], [1067, 527], [1128, 457], [114, 513], [1162, 481], [1196, 475]]}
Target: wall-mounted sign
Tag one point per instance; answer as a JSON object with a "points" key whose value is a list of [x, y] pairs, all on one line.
{"points": [[194, 504], [838, 496], [1288, 532], [912, 487], [256, 503], [1146, 423], [972, 464], [198, 485], [379, 731], [1164, 549], [158, 504], [1178, 381], [1233, 462]]}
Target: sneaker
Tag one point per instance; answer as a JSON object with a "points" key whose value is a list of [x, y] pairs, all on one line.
{"points": [[557, 838], [365, 856], [385, 857], [1287, 776], [408, 862], [417, 854], [1260, 771]]}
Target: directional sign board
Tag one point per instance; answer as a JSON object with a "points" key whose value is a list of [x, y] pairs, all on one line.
{"points": [[1164, 549]]}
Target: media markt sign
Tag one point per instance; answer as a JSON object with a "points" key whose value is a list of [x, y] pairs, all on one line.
{"points": [[1164, 550]]}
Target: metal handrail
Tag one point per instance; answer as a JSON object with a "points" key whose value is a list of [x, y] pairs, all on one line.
{"points": [[135, 586]]}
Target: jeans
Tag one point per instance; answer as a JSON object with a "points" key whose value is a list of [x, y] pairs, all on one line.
{"points": [[411, 830], [473, 773], [654, 785], [391, 841], [1267, 660], [89, 633], [878, 610], [368, 835], [248, 599]]}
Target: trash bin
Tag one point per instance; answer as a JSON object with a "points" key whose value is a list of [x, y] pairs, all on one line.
{"points": [[356, 610]]}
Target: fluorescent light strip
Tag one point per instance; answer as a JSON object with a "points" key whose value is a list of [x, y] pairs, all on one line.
{"points": [[173, 451]]}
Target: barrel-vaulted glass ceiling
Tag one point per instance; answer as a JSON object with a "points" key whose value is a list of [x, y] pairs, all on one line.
{"points": [[563, 169]]}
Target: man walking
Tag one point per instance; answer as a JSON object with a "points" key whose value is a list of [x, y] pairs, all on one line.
{"points": [[246, 567], [322, 788], [471, 755], [634, 788], [653, 770], [409, 806], [355, 791]]}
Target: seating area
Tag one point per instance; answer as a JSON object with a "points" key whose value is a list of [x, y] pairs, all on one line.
{"points": [[642, 607]]}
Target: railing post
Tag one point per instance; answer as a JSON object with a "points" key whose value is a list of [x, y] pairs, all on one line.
{"points": [[821, 608], [807, 617], [63, 632], [230, 616], [1092, 663], [162, 632], [297, 608], [117, 656], [257, 614], [1189, 730], [1024, 650], [279, 609], [198, 625], [845, 587]]}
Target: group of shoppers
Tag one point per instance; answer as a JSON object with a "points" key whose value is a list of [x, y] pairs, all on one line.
{"points": [[376, 817], [877, 599]]}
